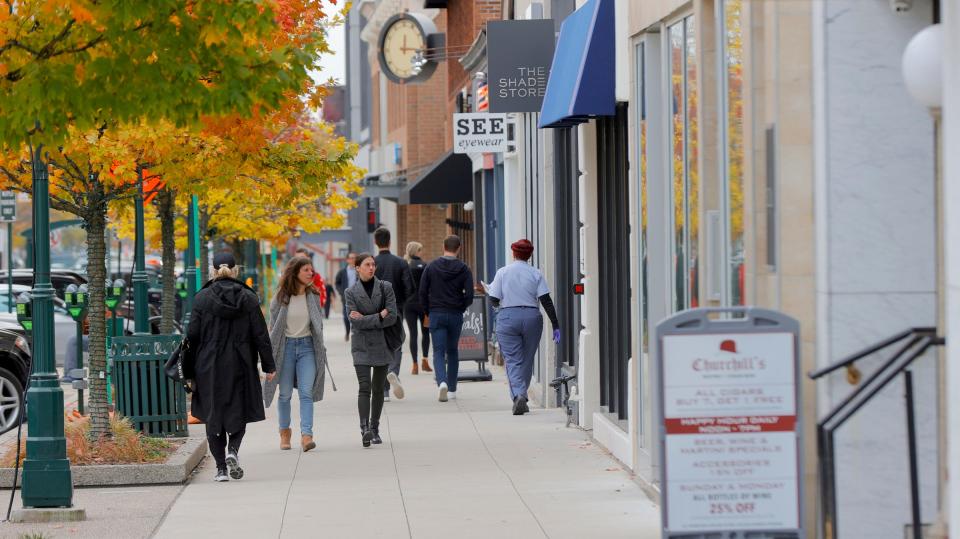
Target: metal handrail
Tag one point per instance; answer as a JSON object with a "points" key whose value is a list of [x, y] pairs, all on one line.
{"points": [[920, 340]]}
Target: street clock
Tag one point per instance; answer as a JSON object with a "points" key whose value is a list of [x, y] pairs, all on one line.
{"points": [[409, 45]]}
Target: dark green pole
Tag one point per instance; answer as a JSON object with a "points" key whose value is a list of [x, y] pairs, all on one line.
{"points": [[46, 470], [250, 262], [10, 267], [141, 316], [80, 363], [190, 264]]}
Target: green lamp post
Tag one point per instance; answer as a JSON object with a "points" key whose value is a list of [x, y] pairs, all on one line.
{"points": [[76, 298], [47, 480], [190, 273], [141, 285]]}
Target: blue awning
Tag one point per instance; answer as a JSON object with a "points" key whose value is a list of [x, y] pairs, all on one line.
{"points": [[582, 78]]}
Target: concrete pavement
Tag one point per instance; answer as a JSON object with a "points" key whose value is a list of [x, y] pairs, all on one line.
{"points": [[465, 468]]}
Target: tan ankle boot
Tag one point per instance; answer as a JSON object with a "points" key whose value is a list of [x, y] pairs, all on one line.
{"points": [[426, 366], [285, 438], [307, 443], [415, 369]]}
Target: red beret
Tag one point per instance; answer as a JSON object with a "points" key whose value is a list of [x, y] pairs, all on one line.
{"points": [[522, 249]]}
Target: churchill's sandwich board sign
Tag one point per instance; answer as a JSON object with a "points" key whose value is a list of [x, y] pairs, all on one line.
{"points": [[730, 429]]}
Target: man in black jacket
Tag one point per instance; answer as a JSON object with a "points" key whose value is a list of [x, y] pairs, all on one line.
{"points": [[446, 290], [396, 271], [346, 277]]}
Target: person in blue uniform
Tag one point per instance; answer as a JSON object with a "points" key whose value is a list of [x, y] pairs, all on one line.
{"points": [[519, 290]]}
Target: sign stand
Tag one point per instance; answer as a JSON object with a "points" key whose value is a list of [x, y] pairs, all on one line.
{"points": [[730, 425], [474, 341]]}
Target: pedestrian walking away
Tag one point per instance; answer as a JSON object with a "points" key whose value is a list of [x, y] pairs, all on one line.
{"points": [[446, 290], [227, 334], [329, 303], [516, 290], [297, 334], [394, 270], [413, 310], [372, 306], [346, 278]]}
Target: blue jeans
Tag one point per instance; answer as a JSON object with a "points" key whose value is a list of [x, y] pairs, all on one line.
{"points": [[518, 331], [299, 364], [445, 331]]}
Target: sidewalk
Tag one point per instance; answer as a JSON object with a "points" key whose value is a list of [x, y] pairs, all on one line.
{"points": [[465, 468]]}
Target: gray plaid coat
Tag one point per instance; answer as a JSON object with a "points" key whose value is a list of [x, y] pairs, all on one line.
{"points": [[367, 343], [278, 337]]}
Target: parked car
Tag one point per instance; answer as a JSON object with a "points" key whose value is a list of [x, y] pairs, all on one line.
{"points": [[64, 326], [15, 363], [60, 278]]}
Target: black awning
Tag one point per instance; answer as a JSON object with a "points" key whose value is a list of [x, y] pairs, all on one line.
{"points": [[449, 180]]}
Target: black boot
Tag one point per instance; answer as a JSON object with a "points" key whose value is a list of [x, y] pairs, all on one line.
{"points": [[375, 429], [366, 433]]}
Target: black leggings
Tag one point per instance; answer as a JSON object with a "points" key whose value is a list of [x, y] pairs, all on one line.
{"points": [[218, 444], [370, 397], [414, 319]]}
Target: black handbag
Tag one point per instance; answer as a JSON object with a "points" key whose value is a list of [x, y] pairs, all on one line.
{"points": [[394, 334], [173, 368]]}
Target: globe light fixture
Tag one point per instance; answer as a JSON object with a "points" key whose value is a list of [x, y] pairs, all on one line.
{"points": [[922, 67]]}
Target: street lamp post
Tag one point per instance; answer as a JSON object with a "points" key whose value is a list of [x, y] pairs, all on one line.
{"points": [[141, 316], [46, 471], [190, 262]]}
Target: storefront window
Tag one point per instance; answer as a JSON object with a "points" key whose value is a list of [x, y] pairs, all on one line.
{"points": [[642, 158], [677, 165], [686, 182], [733, 60]]}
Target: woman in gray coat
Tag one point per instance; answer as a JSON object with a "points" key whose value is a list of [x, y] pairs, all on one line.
{"points": [[296, 333], [372, 306]]}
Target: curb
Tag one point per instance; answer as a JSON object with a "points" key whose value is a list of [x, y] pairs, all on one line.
{"points": [[176, 470]]}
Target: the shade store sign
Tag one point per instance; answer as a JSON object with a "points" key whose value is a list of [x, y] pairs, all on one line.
{"points": [[730, 426]]}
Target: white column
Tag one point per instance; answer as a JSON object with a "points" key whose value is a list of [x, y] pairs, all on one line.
{"points": [[589, 376], [951, 205]]}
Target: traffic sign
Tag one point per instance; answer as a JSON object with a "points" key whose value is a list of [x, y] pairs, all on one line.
{"points": [[8, 206]]}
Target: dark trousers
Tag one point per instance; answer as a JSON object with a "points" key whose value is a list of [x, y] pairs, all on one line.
{"points": [[414, 318], [370, 396], [445, 329], [328, 306], [219, 441]]}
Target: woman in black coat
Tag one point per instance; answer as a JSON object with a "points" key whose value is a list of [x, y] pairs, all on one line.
{"points": [[413, 311], [226, 335]]}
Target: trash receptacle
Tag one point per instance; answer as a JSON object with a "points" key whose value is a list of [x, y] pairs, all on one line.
{"points": [[155, 404]]}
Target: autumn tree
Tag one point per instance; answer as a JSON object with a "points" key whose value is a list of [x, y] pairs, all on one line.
{"points": [[78, 68]]}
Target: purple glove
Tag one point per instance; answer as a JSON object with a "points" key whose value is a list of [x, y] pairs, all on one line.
{"points": [[556, 335]]}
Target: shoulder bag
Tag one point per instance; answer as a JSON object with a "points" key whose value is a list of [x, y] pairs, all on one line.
{"points": [[173, 368], [394, 334]]}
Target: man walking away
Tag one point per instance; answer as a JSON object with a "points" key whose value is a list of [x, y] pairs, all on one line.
{"points": [[346, 278], [396, 271], [446, 290]]}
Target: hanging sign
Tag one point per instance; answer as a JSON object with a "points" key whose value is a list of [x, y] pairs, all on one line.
{"points": [[519, 57], [479, 132], [730, 429]]}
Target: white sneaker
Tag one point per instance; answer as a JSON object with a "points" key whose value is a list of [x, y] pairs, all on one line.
{"points": [[386, 398], [452, 395], [395, 385], [442, 397], [221, 476]]}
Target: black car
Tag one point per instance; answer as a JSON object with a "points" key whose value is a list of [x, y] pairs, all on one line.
{"points": [[60, 279], [15, 361]]}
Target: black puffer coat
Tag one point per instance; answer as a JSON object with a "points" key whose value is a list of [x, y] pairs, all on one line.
{"points": [[227, 332]]}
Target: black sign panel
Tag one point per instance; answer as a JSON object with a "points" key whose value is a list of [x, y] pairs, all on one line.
{"points": [[519, 55], [473, 338]]}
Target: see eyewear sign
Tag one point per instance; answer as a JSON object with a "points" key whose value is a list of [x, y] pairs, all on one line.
{"points": [[479, 133], [730, 425], [519, 56]]}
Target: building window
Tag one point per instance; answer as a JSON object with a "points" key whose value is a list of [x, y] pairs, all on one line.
{"points": [[686, 183], [733, 148]]}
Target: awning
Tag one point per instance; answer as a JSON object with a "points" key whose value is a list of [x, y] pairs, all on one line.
{"points": [[582, 78], [448, 181]]}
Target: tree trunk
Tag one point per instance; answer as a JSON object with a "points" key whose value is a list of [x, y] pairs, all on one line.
{"points": [[203, 264], [96, 221], [167, 200]]}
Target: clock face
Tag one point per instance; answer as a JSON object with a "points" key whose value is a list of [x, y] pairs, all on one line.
{"points": [[401, 41]]}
